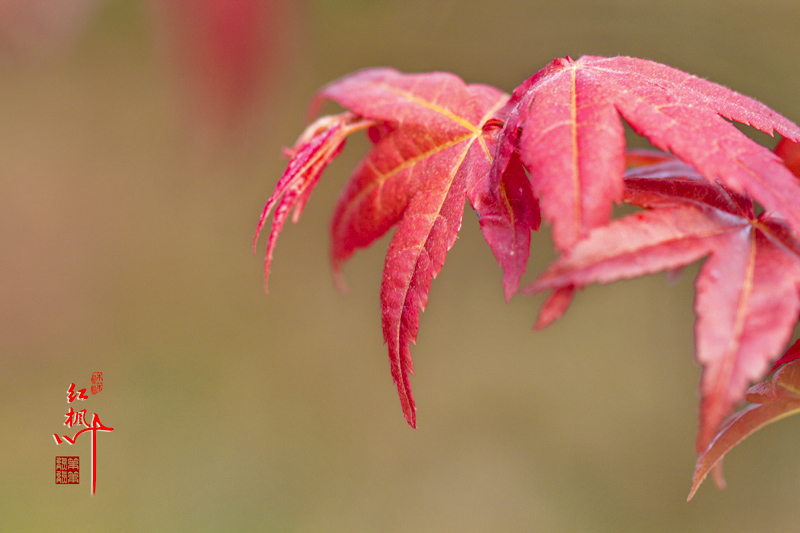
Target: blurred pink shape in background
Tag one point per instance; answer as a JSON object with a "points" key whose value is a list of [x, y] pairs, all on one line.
{"points": [[42, 27], [227, 55]]}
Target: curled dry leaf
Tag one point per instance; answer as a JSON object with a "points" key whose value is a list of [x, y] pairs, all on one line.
{"points": [[319, 144]]}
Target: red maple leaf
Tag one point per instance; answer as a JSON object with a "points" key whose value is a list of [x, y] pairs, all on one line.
{"points": [[437, 141], [434, 140], [769, 401], [564, 121], [747, 298]]}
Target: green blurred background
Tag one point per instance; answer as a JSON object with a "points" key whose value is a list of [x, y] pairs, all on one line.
{"points": [[127, 217]]}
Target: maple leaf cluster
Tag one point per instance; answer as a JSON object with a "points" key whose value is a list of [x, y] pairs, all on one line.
{"points": [[555, 150]]}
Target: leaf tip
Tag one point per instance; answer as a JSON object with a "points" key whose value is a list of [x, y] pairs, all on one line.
{"points": [[409, 407], [267, 263], [692, 493], [702, 472], [509, 289], [554, 307], [718, 476], [339, 283]]}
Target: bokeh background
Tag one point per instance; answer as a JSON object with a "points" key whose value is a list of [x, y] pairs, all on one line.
{"points": [[139, 142]]}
